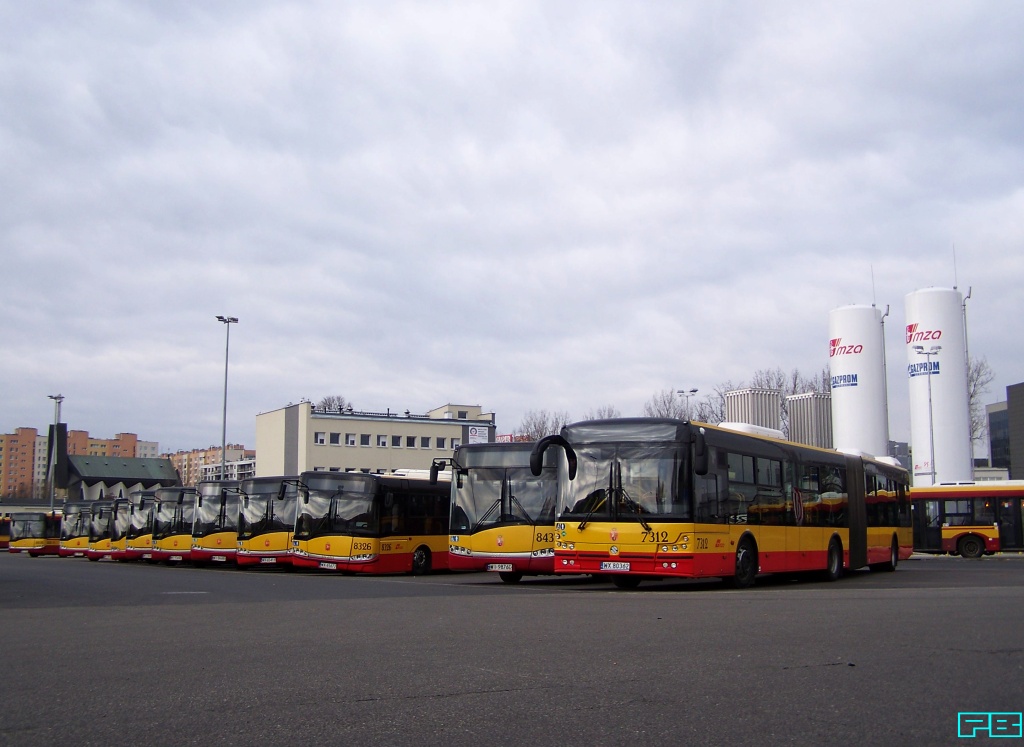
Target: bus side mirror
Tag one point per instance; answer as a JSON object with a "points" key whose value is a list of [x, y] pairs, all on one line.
{"points": [[435, 467], [700, 453], [537, 455]]}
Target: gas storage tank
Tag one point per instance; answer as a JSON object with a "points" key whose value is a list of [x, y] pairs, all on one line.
{"points": [[856, 364], [940, 420]]}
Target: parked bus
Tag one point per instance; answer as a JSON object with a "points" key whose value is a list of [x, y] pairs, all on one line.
{"points": [[266, 520], [74, 529], [139, 545], [503, 515], [120, 520], [35, 532], [99, 529], [652, 498], [173, 511], [215, 529], [969, 519], [366, 523], [5, 531]]}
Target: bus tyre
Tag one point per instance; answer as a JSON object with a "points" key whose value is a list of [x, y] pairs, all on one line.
{"points": [[420, 561], [746, 565], [626, 582], [510, 577], [971, 547], [834, 567]]}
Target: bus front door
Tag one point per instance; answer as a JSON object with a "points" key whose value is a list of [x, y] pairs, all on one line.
{"points": [[1011, 532]]}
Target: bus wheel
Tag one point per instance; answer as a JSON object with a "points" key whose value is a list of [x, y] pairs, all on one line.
{"points": [[746, 565], [626, 582], [510, 577], [834, 569], [971, 547], [420, 561]]}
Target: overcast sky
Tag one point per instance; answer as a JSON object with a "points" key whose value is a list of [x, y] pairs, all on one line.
{"points": [[518, 205]]}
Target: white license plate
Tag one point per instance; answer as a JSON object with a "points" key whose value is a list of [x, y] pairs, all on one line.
{"points": [[614, 565], [268, 560], [220, 558], [499, 566], [328, 566], [147, 556], [175, 558]]}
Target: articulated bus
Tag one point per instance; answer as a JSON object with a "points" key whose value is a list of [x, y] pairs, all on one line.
{"points": [[215, 529], [35, 532], [503, 515], [139, 544], [654, 498], [99, 529], [74, 529], [173, 512], [266, 520], [365, 523], [969, 519]]}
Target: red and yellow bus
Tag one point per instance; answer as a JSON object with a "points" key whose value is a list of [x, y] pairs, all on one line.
{"points": [[215, 529], [969, 519], [139, 544], [503, 515], [266, 520], [661, 498], [100, 525], [173, 512], [35, 532], [366, 523], [74, 529]]}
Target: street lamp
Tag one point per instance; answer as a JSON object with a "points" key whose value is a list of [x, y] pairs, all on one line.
{"points": [[919, 349], [687, 393], [227, 321], [57, 399]]}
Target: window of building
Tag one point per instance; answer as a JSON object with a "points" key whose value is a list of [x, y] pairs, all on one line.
{"points": [[424, 442], [456, 443], [364, 439], [463, 414], [335, 439], [410, 442], [440, 442], [350, 439], [319, 437], [382, 440], [396, 442]]}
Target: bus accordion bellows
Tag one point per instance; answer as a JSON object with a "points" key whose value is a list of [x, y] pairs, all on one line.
{"points": [[969, 519], [662, 498], [502, 514], [215, 529], [35, 532], [266, 520], [355, 522]]}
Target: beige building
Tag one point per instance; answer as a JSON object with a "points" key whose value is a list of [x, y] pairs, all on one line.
{"points": [[194, 466], [300, 438]]}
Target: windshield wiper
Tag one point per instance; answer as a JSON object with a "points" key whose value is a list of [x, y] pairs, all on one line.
{"points": [[488, 512], [635, 506]]}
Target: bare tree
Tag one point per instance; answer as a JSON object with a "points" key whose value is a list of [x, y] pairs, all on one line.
{"points": [[537, 424], [979, 376], [333, 403], [711, 409], [665, 404], [607, 412]]}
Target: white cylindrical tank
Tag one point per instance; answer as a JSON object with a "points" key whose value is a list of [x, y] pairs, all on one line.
{"points": [[856, 364], [940, 419]]}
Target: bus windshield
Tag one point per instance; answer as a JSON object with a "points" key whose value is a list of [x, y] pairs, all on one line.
{"points": [[264, 512], [216, 513], [75, 522], [343, 504], [28, 526], [99, 525], [141, 519], [614, 480], [489, 496], [122, 519]]}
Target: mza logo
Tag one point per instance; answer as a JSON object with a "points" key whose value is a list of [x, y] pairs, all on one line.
{"points": [[993, 725], [914, 334], [836, 347]]}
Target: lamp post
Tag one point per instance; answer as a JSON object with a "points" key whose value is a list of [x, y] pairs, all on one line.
{"points": [[687, 393], [227, 321], [57, 399], [919, 349]]}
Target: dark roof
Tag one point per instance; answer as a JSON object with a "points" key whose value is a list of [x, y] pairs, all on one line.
{"points": [[110, 470]]}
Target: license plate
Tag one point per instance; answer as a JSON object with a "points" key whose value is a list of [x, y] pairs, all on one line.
{"points": [[328, 566], [175, 558], [614, 565], [268, 560], [147, 556], [499, 566], [220, 558]]}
